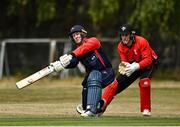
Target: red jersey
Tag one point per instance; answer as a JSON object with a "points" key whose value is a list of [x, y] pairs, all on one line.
{"points": [[139, 52], [91, 55], [88, 44]]}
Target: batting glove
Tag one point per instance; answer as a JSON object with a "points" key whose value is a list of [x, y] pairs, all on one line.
{"points": [[57, 66], [131, 68], [65, 60]]}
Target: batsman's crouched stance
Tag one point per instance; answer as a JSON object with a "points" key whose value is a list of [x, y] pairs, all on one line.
{"points": [[99, 72]]}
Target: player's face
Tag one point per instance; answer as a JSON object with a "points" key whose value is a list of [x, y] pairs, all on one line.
{"points": [[77, 37], [125, 38]]}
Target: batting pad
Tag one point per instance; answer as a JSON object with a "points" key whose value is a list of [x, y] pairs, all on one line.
{"points": [[94, 90]]}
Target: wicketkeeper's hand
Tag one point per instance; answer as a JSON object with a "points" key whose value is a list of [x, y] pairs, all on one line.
{"points": [[65, 60], [130, 68], [122, 67]]}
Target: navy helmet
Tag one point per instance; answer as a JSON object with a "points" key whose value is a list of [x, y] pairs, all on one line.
{"points": [[77, 28], [126, 29]]}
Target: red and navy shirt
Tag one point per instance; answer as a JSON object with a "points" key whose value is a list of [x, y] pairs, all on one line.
{"points": [[139, 52], [91, 55]]}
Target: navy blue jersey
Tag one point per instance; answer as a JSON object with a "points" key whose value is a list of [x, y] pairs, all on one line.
{"points": [[91, 55]]}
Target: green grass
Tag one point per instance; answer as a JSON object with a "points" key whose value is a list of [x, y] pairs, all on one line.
{"points": [[53, 102], [102, 121]]}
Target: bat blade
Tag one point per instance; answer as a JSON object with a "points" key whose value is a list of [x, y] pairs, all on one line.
{"points": [[34, 77]]}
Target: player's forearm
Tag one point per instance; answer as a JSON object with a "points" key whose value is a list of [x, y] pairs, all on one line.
{"points": [[73, 63]]}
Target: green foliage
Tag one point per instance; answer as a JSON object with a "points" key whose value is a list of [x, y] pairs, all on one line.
{"points": [[45, 10], [15, 6], [102, 10], [153, 15], [150, 16], [156, 20]]}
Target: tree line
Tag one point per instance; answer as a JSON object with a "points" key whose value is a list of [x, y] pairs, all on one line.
{"points": [[156, 20]]}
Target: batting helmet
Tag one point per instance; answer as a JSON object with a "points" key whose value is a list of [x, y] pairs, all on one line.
{"points": [[77, 28]]}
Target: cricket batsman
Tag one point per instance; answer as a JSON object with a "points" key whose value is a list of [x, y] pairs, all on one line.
{"points": [[138, 60], [99, 72]]}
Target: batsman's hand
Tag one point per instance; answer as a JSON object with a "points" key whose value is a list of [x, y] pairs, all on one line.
{"points": [[122, 67], [65, 60], [131, 68], [57, 66]]}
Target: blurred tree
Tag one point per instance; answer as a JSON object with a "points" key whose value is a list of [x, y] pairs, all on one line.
{"points": [[159, 21], [26, 15], [103, 13], [44, 10], [153, 15]]}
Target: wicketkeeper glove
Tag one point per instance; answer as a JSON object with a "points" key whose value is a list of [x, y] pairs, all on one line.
{"points": [[122, 67], [130, 68]]}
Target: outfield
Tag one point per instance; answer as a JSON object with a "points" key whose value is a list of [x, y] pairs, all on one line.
{"points": [[53, 102]]}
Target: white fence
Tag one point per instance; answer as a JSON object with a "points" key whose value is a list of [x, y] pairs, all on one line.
{"points": [[52, 47]]}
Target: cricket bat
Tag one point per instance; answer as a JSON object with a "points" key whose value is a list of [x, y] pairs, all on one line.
{"points": [[34, 77]]}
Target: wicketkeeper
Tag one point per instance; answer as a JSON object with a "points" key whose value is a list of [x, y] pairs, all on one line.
{"points": [[99, 72], [138, 60]]}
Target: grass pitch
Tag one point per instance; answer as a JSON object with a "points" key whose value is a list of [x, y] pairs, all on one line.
{"points": [[53, 102]]}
